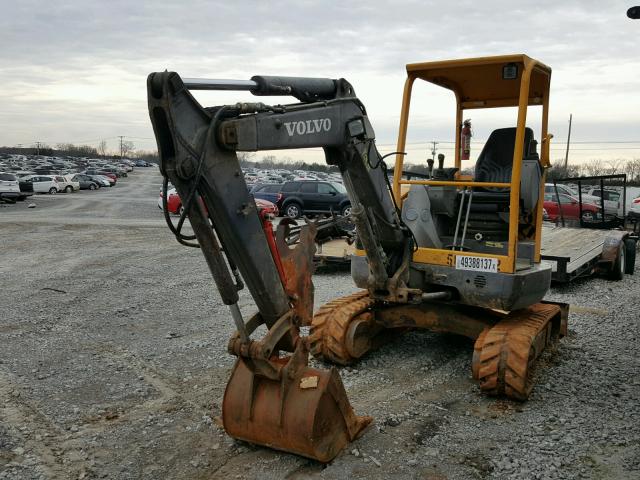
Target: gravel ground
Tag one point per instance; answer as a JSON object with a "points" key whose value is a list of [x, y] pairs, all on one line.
{"points": [[113, 364]]}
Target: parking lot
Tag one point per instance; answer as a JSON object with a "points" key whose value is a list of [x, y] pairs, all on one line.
{"points": [[113, 364]]}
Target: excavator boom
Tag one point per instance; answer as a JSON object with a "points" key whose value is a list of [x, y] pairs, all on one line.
{"points": [[275, 399]]}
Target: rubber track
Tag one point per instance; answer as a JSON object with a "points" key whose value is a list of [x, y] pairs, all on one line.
{"points": [[329, 327], [505, 354]]}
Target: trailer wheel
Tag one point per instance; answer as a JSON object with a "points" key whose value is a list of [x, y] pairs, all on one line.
{"points": [[630, 255], [619, 266]]}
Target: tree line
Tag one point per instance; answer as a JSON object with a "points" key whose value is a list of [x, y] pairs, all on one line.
{"points": [[79, 151], [597, 167]]}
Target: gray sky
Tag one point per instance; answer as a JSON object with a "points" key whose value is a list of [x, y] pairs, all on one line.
{"points": [[75, 71]]}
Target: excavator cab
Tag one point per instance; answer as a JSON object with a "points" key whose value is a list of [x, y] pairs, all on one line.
{"points": [[476, 238], [479, 236]]}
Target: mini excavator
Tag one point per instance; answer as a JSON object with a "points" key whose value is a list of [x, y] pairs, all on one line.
{"points": [[448, 253]]}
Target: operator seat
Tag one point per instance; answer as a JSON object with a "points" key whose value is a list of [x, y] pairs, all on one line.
{"points": [[496, 159], [495, 164]]}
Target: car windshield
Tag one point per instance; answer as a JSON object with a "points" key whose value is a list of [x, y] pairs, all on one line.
{"points": [[339, 187]]}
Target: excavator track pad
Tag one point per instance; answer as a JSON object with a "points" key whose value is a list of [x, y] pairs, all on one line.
{"points": [[330, 327], [505, 355], [507, 345]]}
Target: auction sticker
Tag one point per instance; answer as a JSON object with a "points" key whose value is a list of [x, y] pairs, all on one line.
{"points": [[478, 264]]}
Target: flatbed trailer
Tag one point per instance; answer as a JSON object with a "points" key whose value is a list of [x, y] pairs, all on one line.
{"points": [[576, 252], [335, 252], [572, 252]]}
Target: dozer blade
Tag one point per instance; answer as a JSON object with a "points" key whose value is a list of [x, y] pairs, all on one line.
{"points": [[309, 414]]}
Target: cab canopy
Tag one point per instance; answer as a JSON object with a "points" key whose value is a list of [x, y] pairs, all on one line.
{"points": [[487, 82]]}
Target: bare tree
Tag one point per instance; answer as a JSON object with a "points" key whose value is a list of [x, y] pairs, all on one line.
{"points": [[615, 166], [127, 148], [558, 170], [102, 148], [632, 169], [595, 167]]}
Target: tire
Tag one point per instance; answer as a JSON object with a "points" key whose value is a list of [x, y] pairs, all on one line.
{"points": [[618, 267], [347, 227], [630, 247], [92, 186], [293, 210], [588, 217], [53, 191], [68, 189]]}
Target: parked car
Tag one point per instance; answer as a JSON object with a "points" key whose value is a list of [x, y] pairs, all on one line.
{"points": [[102, 180], [634, 208], [118, 172], [267, 191], [85, 182], [66, 185], [93, 171], [266, 207], [586, 198], [9, 186], [313, 196], [43, 183], [75, 184], [612, 203], [570, 208], [174, 204]]}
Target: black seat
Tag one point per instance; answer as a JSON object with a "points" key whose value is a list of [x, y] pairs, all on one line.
{"points": [[496, 159]]}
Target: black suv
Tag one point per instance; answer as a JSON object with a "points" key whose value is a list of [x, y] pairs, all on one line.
{"points": [[313, 196]]}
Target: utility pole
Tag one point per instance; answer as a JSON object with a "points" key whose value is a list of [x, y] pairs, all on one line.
{"points": [[121, 149], [433, 150], [38, 148], [566, 155]]}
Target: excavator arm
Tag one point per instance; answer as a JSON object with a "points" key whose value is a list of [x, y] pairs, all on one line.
{"points": [[272, 399]]}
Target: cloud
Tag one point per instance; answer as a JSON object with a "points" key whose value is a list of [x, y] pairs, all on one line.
{"points": [[77, 69]]}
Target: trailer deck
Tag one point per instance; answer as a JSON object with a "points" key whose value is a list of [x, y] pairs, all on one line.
{"points": [[572, 252]]}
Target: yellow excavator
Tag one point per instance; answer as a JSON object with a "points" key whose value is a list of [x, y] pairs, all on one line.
{"points": [[449, 252]]}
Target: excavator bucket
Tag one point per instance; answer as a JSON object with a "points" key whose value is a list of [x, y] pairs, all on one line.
{"points": [[307, 413]]}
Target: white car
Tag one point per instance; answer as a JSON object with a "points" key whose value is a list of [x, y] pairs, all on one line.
{"points": [[9, 186], [44, 183], [563, 189], [612, 202], [66, 185], [75, 184]]}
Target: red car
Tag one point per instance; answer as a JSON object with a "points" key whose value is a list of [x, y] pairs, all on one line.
{"points": [[174, 204], [570, 208]]}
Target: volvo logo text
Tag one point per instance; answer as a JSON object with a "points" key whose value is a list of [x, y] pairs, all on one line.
{"points": [[307, 127]]}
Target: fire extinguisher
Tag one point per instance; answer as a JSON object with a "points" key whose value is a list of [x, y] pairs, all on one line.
{"points": [[465, 140]]}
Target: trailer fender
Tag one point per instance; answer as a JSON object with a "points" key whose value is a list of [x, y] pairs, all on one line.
{"points": [[611, 246]]}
